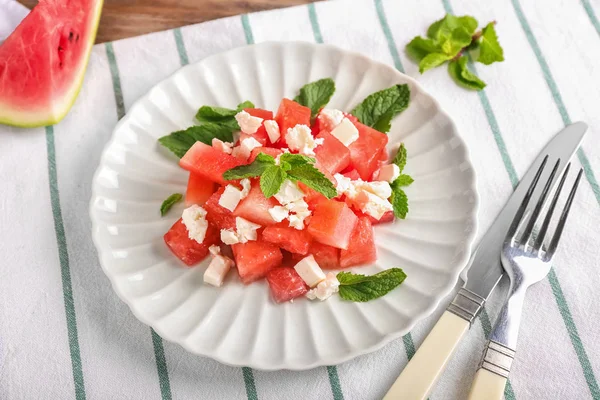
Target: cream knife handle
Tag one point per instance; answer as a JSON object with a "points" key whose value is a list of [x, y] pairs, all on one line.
{"points": [[423, 370], [487, 386]]}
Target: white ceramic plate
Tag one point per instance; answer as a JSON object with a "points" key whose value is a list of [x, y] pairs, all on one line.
{"points": [[241, 325]]}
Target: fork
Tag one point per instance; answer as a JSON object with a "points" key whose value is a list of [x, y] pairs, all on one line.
{"points": [[526, 261]]}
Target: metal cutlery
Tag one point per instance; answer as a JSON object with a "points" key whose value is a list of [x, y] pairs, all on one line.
{"points": [[481, 275], [526, 261]]}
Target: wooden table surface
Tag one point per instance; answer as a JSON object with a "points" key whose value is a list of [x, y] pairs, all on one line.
{"points": [[126, 18]]}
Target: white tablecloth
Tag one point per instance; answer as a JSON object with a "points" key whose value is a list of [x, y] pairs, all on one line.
{"points": [[63, 332]]}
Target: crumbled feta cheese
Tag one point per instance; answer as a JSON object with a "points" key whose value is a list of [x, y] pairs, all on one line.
{"points": [[245, 148], [229, 237], [343, 183], [289, 192], [372, 204], [388, 173], [246, 184], [300, 139], [214, 250], [369, 197], [194, 219], [325, 288], [296, 222], [379, 188], [346, 132], [217, 270], [248, 124], [272, 130], [246, 230], [278, 213], [331, 117], [230, 198], [225, 147], [309, 271]]}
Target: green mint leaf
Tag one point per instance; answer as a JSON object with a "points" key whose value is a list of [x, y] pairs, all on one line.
{"points": [[316, 95], [314, 179], [490, 50], [252, 170], [403, 180], [400, 159], [433, 60], [443, 28], [378, 109], [399, 202], [419, 48], [245, 104], [220, 115], [178, 142], [271, 180], [461, 74], [295, 160], [169, 202], [357, 287]]}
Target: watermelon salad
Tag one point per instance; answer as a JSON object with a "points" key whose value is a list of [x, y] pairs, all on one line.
{"points": [[291, 196]]}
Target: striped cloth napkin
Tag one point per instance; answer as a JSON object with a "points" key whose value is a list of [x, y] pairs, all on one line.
{"points": [[63, 332]]}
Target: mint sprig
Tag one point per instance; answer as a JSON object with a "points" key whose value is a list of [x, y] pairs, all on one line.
{"points": [[378, 109], [295, 167], [215, 122], [316, 95], [448, 40], [361, 288], [399, 199], [170, 202]]}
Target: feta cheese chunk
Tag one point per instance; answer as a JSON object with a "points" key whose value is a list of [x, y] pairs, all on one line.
{"points": [[309, 271], [194, 219], [225, 147], [217, 270], [346, 132], [272, 129], [300, 139], [388, 173], [229, 237], [245, 148], [289, 193], [248, 124], [214, 250], [246, 184], [331, 117], [378, 188], [325, 288], [246, 230], [278, 213], [296, 222], [343, 184], [372, 204], [230, 198]]}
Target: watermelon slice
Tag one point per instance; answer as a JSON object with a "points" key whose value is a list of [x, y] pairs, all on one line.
{"points": [[199, 189], [362, 248], [42, 63], [285, 284], [255, 259], [208, 162], [217, 215], [332, 224], [188, 250], [290, 239]]}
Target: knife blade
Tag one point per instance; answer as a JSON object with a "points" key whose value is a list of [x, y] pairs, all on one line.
{"points": [[481, 275], [483, 271]]}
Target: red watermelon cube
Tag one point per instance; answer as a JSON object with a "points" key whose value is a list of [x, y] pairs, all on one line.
{"points": [[255, 207], [289, 115], [365, 152], [208, 162], [327, 257], [332, 154], [352, 174], [254, 259], [332, 223], [219, 216], [266, 150], [286, 284], [188, 250], [290, 239], [362, 248], [199, 189], [260, 113]]}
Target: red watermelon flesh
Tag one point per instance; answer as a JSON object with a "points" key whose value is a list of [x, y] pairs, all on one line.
{"points": [[328, 257], [332, 154], [255, 207], [188, 250], [199, 189], [255, 259], [290, 239], [362, 248], [365, 152], [43, 62], [285, 284], [332, 223], [219, 216], [204, 160]]}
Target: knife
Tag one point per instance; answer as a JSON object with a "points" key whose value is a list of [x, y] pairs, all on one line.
{"points": [[481, 275]]}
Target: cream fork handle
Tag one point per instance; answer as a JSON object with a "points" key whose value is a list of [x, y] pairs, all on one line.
{"points": [[423, 370], [487, 386]]}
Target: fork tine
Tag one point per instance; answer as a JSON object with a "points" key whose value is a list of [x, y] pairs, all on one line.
{"points": [[544, 229], [519, 214], [563, 218], [539, 205]]}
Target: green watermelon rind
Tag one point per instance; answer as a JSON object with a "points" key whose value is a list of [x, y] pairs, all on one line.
{"points": [[36, 119]]}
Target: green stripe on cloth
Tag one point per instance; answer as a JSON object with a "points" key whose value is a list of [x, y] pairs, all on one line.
{"points": [[183, 56], [159, 354], [552, 277], [314, 22], [116, 80], [247, 29], [388, 35], [409, 345], [65, 269], [591, 14], [249, 383], [334, 381], [589, 174], [161, 366]]}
